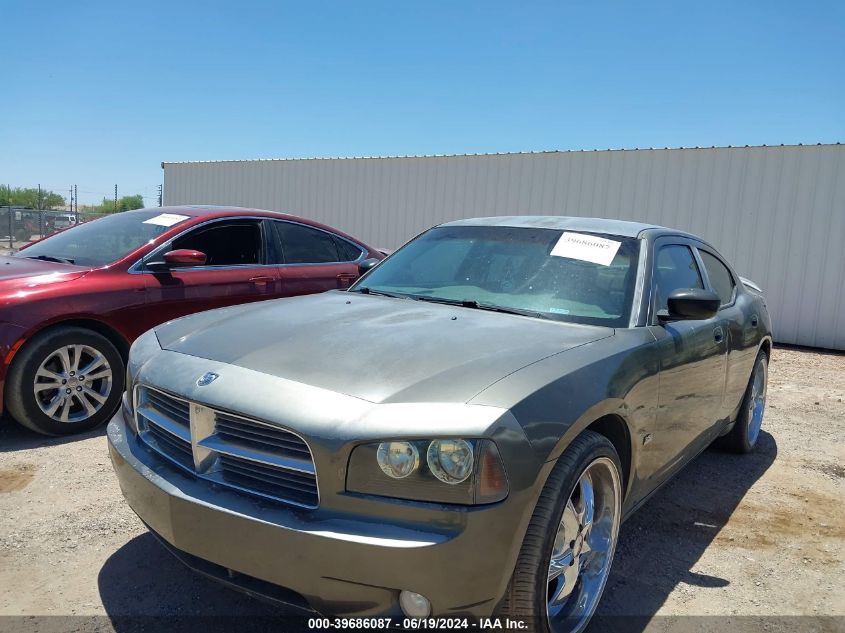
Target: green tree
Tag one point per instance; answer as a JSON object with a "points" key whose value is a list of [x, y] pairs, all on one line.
{"points": [[126, 203], [30, 197]]}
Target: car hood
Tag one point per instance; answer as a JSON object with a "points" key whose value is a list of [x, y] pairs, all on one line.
{"points": [[379, 349], [19, 272]]}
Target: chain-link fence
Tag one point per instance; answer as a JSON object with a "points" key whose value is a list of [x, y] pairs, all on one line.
{"points": [[20, 226]]}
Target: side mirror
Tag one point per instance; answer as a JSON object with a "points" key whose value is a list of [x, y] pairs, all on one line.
{"points": [[180, 257], [690, 304], [368, 264]]}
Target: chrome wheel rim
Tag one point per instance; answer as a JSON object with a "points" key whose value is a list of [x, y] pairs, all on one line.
{"points": [[583, 548], [757, 401], [73, 383]]}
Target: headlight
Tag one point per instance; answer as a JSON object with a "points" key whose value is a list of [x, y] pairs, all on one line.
{"points": [[450, 460], [398, 459], [467, 472]]}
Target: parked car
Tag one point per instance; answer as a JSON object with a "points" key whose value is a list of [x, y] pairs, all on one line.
{"points": [[71, 304], [64, 221], [460, 433]]}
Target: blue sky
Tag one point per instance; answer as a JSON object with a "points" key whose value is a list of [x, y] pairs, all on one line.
{"points": [[99, 93]]}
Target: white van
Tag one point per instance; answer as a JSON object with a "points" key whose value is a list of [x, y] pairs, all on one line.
{"points": [[64, 221]]}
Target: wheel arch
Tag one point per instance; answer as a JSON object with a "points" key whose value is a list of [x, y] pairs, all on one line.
{"points": [[766, 346], [606, 420], [615, 429], [114, 337]]}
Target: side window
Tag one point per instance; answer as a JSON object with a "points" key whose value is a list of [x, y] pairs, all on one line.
{"points": [[675, 268], [720, 277], [305, 245], [225, 243], [346, 251]]}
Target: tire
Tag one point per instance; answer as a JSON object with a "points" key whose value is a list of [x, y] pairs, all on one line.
{"points": [[40, 365], [743, 437], [530, 589]]}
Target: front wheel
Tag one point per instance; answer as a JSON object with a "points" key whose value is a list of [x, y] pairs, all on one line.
{"points": [[568, 549], [65, 380]]}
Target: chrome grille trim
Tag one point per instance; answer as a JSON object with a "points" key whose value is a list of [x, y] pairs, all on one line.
{"points": [[243, 454], [253, 432]]}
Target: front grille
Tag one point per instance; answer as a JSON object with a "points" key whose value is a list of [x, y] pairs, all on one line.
{"points": [[177, 410], [164, 423], [268, 479], [247, 455], [259, 435], [171, 446]]}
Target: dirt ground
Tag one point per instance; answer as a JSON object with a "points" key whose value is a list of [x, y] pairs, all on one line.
{"points": [[755, 535]]}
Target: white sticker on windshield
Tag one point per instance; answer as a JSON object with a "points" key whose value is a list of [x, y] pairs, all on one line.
{"points": [[166, 219], [587, 248]]}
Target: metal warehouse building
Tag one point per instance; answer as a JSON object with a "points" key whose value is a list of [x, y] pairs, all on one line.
{"points": [[777, 213]]}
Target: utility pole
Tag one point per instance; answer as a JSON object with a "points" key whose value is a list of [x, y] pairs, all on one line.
{"points": [[11, 244], [76, 202], [115, 198], [159, 194], [71, 200], [39, 197]]}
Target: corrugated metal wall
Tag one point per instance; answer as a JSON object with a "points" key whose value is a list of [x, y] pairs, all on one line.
{"points": [[778, 213]]}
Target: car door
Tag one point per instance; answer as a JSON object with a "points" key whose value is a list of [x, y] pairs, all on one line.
{"points": [[692, 357], [236, 270], [313, 260], [740, 355]]}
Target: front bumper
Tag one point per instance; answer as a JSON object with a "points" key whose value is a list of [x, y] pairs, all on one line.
{"points": [[339, 563]]}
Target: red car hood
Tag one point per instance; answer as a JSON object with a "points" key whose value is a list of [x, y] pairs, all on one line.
{"points": [[19, 272]]}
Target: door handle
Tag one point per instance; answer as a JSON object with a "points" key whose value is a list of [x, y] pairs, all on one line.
{"points": [[261, 279], [718, 335]]}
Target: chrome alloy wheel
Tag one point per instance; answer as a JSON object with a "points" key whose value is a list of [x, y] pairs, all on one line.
{"points": [[73, 383], [757, 400], [584, 546]]}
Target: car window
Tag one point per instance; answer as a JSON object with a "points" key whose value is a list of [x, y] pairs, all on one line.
{"points": [[305, 245], [720, 277], [346, 251], [225, 243], [676, 268]]}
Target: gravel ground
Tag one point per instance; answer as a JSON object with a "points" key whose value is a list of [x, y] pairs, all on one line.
{"points": [[755, 535]]}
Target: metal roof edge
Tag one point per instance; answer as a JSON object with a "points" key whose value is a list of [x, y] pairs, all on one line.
{"points": [[526, 153]]}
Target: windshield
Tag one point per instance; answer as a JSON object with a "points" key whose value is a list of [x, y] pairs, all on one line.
{"points": [[548, 273], [103, 241]]}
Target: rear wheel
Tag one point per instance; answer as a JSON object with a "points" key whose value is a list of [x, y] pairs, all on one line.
{"points": [[569, 545], [746, 431], [66, 380]]}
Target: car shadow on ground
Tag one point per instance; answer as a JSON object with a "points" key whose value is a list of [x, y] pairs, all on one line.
{"points": [[661, 543], [659, 547], [14, 437]]}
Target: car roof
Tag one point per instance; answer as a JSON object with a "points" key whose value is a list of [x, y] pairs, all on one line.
{"points": [[570, 223], [211, 211]]}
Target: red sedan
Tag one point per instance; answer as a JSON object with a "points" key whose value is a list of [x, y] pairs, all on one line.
{"points": [[71, 304]]}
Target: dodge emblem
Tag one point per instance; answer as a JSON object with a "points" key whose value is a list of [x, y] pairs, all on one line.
{"points": [[207, 378]]}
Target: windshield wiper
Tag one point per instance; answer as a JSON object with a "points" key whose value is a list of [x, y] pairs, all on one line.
{"points": [[51, 258], [364, 290], [475, 305]]}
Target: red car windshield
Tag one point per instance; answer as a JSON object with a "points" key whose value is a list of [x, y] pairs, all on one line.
{"points": [[103, 241]]}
